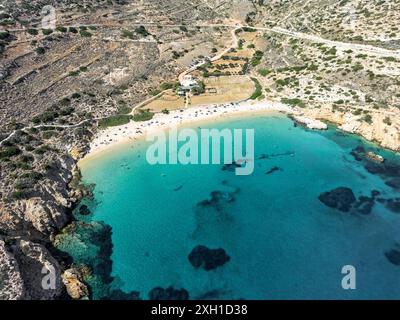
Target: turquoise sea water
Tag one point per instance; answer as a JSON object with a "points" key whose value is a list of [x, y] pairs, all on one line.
{"points": [[283, 242]]}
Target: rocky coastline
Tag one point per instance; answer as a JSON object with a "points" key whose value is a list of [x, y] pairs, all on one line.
{"points": [[35, 224]]}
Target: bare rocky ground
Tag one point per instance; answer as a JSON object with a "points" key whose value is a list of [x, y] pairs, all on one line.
{"points": [[104, 57]]}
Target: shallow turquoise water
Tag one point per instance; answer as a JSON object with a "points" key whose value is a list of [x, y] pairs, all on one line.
{"points": [[283, 242]]}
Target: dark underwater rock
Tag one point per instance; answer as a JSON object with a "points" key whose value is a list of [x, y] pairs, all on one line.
{"points": [[210, 295], [386, 170], [393, 205], [96, 238], [218, 198], [358, 153], [170, 293], [178, 188], [364, 205], [231, 167], [340, 198], [276, 155], [393, 256], [272, 170], [209, 259], [84, 210], [120, 295], [375, 193], [394, 183]]}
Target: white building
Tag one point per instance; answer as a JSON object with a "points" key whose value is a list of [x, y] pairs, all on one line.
{"points": [[188, 82]]}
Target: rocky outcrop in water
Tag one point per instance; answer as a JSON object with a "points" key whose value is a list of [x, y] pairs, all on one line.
{"points": [[73, 282], [34, 220], [208, 259], [168, 294], [375, 130]]}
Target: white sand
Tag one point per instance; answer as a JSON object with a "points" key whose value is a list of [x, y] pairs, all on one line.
{"points": [[105, 139]]}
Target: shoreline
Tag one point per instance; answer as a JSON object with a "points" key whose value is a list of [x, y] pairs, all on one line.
{"points": [[108, 139]]}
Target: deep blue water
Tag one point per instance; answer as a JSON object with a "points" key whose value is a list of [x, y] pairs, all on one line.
{"points": [[284, 243]]}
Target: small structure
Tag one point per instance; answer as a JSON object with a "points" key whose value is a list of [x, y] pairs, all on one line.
{"points": [[188, 82]]}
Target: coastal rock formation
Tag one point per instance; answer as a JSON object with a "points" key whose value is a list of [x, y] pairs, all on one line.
{"points": [[170, 293], [73, 282], [209, 259], [89, 244], [40, 271], [11, 283], [310, 123], [340, 198], [386, 134]]}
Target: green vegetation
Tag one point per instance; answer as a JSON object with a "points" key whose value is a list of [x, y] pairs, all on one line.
{"points": [[113, 121], [8, 152], [40, 50], [85, 34], [123, 108], [32, 32], [143, 115], [169, 85], [73, 73], [72, 30], [4, 35], [387, 121], [256, 60], [367, 118], [61, 29], [264, 72], [258, 90], [201, 88], [390, 59], [142, 31], [294, 102], [47, 32], [127, 34], [155, 92]]}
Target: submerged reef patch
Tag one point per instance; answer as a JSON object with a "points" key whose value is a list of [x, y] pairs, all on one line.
{"points": [[344, 200], [170, 293], [393, 256], [208, 259], [341, 198]]}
